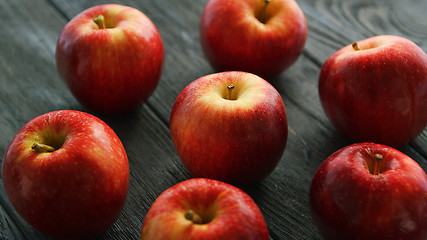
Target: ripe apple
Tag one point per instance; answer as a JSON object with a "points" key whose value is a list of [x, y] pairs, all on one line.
{"points": [[204, 209], [111, 57], [229, 126], [370, 191], [375, 90], [67, 174], [263, 37]]}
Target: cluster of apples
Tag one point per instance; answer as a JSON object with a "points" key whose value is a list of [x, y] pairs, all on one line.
{"points": [[67, 174], [375, 92]]}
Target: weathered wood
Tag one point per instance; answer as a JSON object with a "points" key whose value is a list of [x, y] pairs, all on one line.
{"points": [[30, 86]]}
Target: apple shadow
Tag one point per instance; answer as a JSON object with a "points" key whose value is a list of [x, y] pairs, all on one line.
{"points": [[122, 124]]}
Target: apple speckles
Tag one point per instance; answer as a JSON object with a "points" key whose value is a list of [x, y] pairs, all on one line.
{"points": [[264, 39], [355, 196], [204, 125], [222, 211], [377, 100], [407, 225], [67, 181], [122, 62]]}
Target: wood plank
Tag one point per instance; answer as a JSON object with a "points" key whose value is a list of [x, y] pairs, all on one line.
{"points": [[26, 59], [8, 228]]}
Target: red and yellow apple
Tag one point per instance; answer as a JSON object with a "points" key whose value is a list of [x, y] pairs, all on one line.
{"points": [[375, 90], [370, 191], [67, 174], [229, 126], [204, 209], [263, 37], [111, 57]]}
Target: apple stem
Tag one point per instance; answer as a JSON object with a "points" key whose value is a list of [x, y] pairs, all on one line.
{"points": [[42, 148], [230, 90], [262, 15], [355, 46], [378, 158], [192, 216], [99, 20]]}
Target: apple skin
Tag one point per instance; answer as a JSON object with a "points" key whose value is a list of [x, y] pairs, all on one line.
{"points": [[236, 141], [204, 209], [379, 93], [347, 201], [112, 70], [76, 191], [234, 37]]}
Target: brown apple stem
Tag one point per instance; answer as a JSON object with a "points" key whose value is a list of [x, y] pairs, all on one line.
{"points": [[99, 20], [42, 148], [378, 158], [355, 46], [192, 216], [230, 91], [262, 16]]}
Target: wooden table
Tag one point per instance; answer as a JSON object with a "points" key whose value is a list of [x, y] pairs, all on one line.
{"points": [[31, 86]]}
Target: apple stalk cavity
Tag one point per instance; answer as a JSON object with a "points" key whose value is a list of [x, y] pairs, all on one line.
{"points": [[262, 16]]}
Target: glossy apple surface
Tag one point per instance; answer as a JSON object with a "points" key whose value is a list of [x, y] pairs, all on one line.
{"points": [[376, 91], [370, 191], [229, 126], [257, 36], [111, 63], [66, 173], [204, 209]]}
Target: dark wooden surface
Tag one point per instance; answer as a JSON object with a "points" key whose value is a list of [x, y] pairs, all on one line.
{"points": [[30, 86]]}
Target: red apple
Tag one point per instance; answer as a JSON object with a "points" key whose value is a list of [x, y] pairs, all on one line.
{"points": [[229, 126], [67, 174], [263, 37], [375, 90], [111, 58], [370, 191], [204, 209]]}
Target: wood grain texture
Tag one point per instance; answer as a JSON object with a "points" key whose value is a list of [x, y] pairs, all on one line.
{"points": [[30, 86]]}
